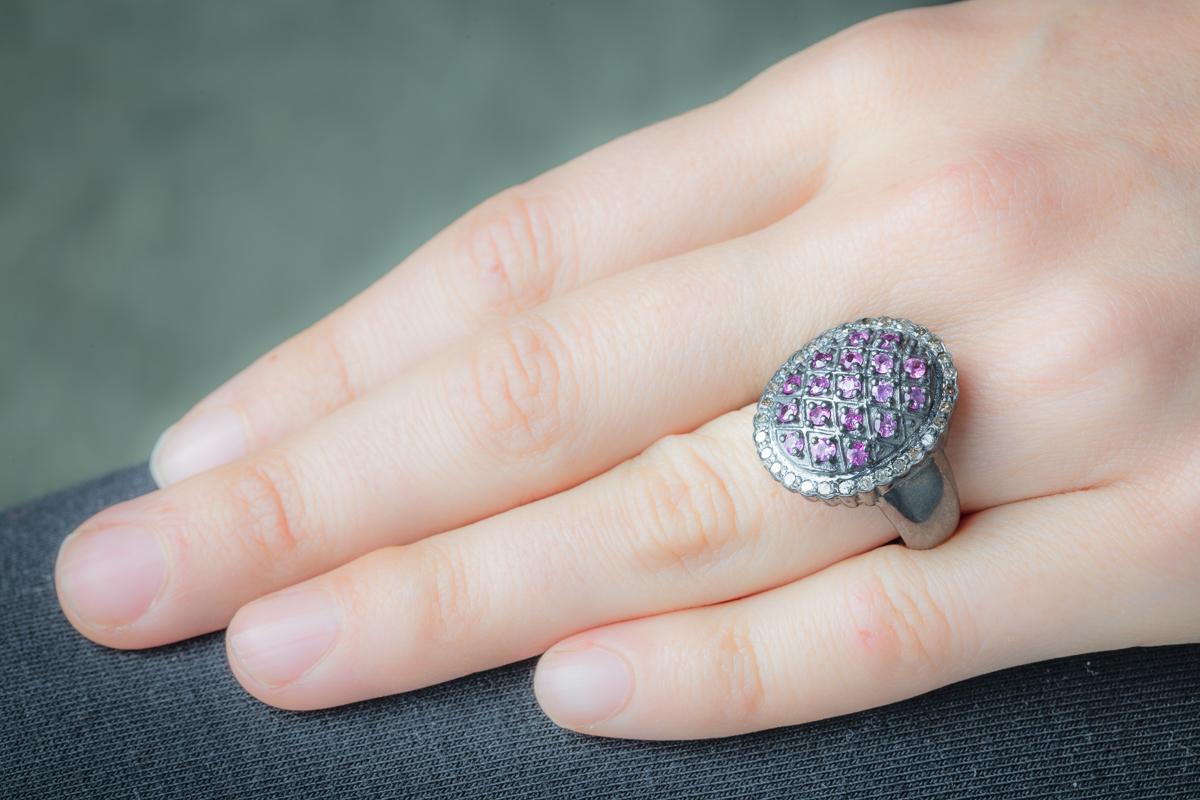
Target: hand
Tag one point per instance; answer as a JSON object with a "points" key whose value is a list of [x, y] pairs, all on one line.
{"points": [[533, 436]]}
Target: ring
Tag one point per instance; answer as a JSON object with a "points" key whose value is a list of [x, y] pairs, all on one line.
{"points": [[859, 416]]}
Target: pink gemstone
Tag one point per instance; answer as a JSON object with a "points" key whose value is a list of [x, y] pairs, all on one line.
{"points": [[888, 339], [823, 449], [819, 413], [851, 359], [857, 453], [916, 398], [915, 368], [792, 385], [858, 338], [787, 412], [849, 385], [883, 391], [851, 419], [821, 359], [882, 362], [886, 425], [818, 384], [793, 444]]}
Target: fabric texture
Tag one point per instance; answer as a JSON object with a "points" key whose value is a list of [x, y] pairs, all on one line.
{"points": [[80, 721]]}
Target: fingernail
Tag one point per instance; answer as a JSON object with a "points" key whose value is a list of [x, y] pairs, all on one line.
{"points": [[279, 638], [579, 688], [111, 576], [198, 443]]}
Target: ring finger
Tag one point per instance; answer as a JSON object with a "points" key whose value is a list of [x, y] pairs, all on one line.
{"points": [[690, 522]]}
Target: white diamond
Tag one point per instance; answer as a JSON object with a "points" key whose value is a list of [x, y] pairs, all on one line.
{"points": [[776, 468], [760, 436], [807, 486], [825, 488], [846, 487]]}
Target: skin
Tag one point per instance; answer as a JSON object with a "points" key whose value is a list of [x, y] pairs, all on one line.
{"points": [[533, 435]]}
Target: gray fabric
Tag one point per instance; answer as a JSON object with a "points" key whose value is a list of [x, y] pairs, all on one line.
{"points": [[84, 722]]}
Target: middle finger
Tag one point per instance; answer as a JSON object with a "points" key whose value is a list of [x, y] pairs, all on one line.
{"points": [[522, 410]]}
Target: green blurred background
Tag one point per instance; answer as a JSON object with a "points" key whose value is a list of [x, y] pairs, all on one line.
{"points": [[184, 184]]}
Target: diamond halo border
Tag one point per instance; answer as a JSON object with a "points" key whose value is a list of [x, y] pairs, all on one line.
{"points": [[853, 488]]}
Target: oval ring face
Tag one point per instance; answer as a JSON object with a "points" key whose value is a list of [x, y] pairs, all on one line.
{"points": [[856, 408]]}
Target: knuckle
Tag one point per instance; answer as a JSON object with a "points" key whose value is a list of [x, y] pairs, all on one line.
{"points": [[1077, 341], [514, 249], [866, 59], [447, 601], [516, 389], [997, 194], [1097, 330], [269, 510], [322, 354], [684, 514], [898, 622], [737, 670]]}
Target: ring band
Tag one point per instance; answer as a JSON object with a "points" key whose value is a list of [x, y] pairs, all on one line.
{"points": [[859, 416]]}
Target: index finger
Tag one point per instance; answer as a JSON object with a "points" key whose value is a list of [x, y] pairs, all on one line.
{"points": [[712, 174]]}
